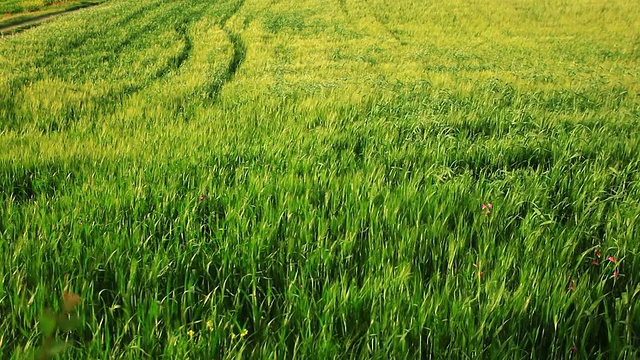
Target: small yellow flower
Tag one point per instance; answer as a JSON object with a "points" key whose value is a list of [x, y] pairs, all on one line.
{"points": [[210, 325], [191, 333], [233, 336], [244, 333]]}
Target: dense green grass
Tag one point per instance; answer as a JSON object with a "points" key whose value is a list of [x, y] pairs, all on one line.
{"points": [[241, 179]]}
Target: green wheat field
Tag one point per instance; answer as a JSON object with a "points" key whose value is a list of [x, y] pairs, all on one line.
{"points": [[324, 179]]}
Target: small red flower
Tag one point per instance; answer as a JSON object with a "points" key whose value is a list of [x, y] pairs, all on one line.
{"points": [[615, 274], [612, 259], [595, 262], [571, 287], [573, 349], [202, 198], [598, 254], [475, 265]]}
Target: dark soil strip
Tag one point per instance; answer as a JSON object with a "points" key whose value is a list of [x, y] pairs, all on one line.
{"points": [[15, 28]]}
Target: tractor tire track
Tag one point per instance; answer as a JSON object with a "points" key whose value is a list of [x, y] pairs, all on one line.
{"points": [[385, 26], [343, 7], [239, 52]]}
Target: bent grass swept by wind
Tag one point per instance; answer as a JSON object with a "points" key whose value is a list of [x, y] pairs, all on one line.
{"points": [[370, 179]]}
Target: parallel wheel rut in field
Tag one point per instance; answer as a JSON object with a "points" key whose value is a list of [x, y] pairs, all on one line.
{"points": [[343, 6], [177, 61], [239, 53], [385, 26]]}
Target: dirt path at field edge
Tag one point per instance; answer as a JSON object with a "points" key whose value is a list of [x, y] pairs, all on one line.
{"points": [[35, 21]]}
